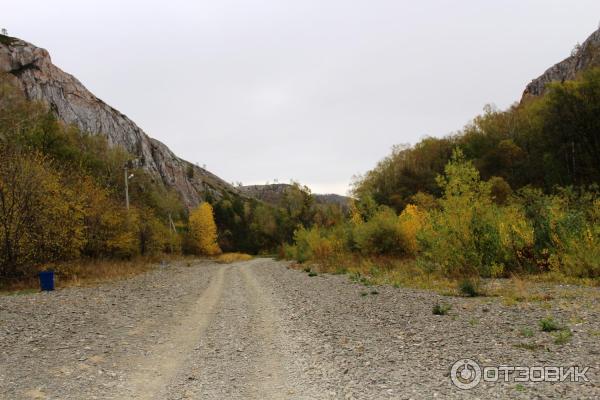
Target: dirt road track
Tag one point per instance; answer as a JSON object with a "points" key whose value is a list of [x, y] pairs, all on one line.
{"points": [[258, 330]]}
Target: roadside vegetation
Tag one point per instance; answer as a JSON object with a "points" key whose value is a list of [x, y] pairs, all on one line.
{"points": [[62, 205], [514, 195]]}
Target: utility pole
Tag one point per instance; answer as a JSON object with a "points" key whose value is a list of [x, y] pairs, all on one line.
{"points": [[127, 178], [171, 224], [126, 189], [171, 227]]}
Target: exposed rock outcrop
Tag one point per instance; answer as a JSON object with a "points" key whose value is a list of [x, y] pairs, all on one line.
{"points": [[74, 104], [587, 55]]}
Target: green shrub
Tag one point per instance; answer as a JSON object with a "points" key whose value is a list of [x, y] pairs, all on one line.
{"points": [[381, 235], [563, 336], [317, 243], [527, 332], [469, 288], [471, 235], [454, 237], [566, 231], [548, 324], [441, 309]]}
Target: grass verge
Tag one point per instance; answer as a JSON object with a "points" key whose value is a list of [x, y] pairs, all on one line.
{"points": [[82, 273], [404, 272]]}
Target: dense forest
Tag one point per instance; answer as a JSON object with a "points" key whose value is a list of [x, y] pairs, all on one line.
{"points": [[514, 192], [545, 142]]}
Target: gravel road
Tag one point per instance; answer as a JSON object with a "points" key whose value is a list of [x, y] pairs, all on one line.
{"points": [[260, 330]]}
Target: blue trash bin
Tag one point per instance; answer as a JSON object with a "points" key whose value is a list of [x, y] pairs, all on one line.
{"points": [[47, 280]]}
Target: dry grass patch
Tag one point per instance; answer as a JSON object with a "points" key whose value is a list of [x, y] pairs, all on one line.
{"points": [[89, 272], [229, 258], [82, 273], [541, 288], [385, 271]]}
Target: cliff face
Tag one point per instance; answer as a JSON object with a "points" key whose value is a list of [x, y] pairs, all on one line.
{"points": [[41, 80], [587, 56]]}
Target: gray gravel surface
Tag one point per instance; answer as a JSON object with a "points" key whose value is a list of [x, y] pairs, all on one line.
{"points": [[260, 330]]}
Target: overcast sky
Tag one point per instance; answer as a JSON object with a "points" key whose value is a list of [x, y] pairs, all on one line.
{"points": [[311, 90]]}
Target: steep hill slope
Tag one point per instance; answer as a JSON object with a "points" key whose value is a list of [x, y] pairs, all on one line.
{"points": [[41, 80], [585, 56]]}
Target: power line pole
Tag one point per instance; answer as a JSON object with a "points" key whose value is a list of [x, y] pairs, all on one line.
{"points": [[126, 189], [171, 224], [127, 177]]}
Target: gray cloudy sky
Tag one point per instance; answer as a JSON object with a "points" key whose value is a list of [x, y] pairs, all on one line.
{"points": [[312, 90]]}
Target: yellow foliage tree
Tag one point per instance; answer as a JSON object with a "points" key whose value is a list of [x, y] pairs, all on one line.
{"points": [[203, 230], [39, 219], [355, 216], [410, 223]]}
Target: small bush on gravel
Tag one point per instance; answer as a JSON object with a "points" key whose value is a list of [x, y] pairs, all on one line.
{"points": [[563, 336], [548, 324], [441, 309], [312, 274], [529, 346], [527, 332], [469, 288]]}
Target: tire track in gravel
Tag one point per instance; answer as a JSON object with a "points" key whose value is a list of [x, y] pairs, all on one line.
{"points": [[154, 372], [243, 353], [271, 382]]}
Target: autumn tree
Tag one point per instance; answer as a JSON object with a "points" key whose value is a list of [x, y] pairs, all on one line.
{"points": [[203, 230], [40, 221]]}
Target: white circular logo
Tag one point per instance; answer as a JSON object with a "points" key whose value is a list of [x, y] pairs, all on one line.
{"points": [[465, 374]]}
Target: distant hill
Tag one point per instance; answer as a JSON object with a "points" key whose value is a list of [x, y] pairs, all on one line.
{"points": [[273, 194]]}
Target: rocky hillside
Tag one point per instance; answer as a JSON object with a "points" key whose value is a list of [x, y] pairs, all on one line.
{"points": [[273, 193], [41, 80], [587, 55]]}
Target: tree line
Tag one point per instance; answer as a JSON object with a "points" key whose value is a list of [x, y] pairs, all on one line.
{"points": [[514, 192], [549, 141]]}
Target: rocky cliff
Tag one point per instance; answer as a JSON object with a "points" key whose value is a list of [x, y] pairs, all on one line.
{"points": [[587, 55], [41, 80]]}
